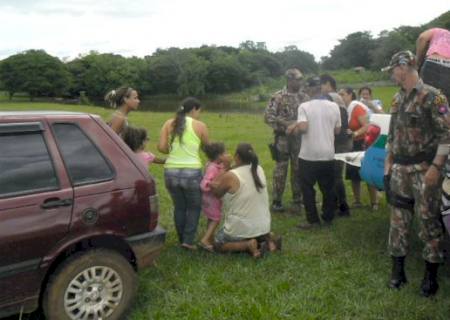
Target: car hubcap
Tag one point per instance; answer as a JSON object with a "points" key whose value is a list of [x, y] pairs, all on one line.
{"points": [[93, 294]]}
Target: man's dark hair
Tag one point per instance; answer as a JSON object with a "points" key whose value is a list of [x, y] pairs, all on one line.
{"points": [[327, 78], [214, 150], [351, 92]]}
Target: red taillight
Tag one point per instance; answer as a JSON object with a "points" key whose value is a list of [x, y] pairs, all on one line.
{"points": [[371, 135]]}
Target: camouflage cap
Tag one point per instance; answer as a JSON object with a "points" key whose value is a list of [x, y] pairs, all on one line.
{"points": [[294, 74], [313, 82], [401, 58]]}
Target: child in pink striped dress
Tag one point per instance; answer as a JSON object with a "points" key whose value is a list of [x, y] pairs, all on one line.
{"points": [[211, 205]]}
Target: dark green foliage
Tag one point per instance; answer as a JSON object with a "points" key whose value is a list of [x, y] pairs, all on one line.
{"points": [[36, 73], [292, 57], [97, 73], [198, 71], [351, 52]]}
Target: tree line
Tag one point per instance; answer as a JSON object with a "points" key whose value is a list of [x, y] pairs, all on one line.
{"points": [[194, 71]]}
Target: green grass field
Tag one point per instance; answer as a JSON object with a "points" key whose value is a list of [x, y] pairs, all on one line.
{"points": [[338, 272]]}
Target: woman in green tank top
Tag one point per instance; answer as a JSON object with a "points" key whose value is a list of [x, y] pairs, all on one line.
{"points": [[181, 138]]}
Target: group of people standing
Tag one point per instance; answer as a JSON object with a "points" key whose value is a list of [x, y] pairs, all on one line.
{"points": [[240, 186], [307, 137], [313, 121]]}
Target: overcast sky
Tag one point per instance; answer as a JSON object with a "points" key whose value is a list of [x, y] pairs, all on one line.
{"points": [[66, 28]]}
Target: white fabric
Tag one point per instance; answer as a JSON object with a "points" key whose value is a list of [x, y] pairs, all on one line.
{"points": [[323, 117], [352, 106], [247, 213]]}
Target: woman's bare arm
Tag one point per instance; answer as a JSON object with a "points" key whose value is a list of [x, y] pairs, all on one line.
{"points": [[163, 145]]}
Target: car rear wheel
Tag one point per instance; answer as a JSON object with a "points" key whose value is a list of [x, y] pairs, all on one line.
{"points": [[98, 284]]}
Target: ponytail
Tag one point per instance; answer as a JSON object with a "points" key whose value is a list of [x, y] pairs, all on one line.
{"points": [[116, 98], [248, 156], [179, 123]]}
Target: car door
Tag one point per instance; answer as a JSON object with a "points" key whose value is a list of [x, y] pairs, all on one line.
{"points": [[35, 206]]}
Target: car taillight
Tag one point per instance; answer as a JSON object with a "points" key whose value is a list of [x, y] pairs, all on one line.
{"points": [[154, 210], [371, 135]]}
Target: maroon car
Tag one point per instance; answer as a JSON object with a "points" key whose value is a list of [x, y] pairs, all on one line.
{"points": [[78, 217]]}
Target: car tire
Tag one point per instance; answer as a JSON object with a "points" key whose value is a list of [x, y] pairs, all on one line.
{"points": [[99, 282]]}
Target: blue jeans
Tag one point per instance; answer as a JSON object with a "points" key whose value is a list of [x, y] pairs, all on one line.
{"points": [[184, 188]]}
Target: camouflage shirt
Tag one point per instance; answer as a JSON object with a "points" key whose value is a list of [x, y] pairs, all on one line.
{"points": [[419, 122], [282, 109]]}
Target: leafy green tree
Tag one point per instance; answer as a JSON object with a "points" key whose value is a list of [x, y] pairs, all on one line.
{"points": [[226, 74], [292, 57], [389, 43], [36, 73], [352, 51], [97, 73], [260, 65]]}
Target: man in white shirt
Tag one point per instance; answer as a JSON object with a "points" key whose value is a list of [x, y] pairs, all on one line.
{"points": [[319, 121]]}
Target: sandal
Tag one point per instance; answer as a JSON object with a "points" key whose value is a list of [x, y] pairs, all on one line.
{"points": [[357, 205], [189, 247], [206, 247]]}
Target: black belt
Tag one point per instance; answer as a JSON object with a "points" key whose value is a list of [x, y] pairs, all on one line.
{"points": [[418, 158]]}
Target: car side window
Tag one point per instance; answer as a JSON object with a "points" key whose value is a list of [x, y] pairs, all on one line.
{"points": [[82, 158], [25, 164]]}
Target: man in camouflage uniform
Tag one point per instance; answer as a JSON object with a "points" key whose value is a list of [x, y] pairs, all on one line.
{"points": [[417, 148], [280, 113]]}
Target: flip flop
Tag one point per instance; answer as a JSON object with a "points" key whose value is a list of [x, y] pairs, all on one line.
{"points": [[206, 247]]}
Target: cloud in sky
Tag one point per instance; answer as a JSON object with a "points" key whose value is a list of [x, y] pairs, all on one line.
{"points": [[71, 27]]}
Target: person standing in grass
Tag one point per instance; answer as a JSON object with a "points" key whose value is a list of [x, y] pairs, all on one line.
{"points": [[342, 143], [417, 147], [246, 202], [280, 113], [358, 123], [319, 120], [212, 206], [181, 138], [125, 100]]}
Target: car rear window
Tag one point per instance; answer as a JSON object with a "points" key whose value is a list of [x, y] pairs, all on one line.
{"points": [[25, 164], [82, 158]]}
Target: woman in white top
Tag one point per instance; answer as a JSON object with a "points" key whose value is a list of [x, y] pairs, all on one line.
{"points": [[246, 206]]}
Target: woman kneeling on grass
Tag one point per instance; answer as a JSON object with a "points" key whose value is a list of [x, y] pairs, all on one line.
{"points": [[246, 207]]}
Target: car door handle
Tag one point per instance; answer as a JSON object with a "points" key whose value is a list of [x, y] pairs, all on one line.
{"points": [[56, 202]]}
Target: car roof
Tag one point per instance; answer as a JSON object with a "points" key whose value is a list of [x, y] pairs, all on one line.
{"points": [[40, 113]]}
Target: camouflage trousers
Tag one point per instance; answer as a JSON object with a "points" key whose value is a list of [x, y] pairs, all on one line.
{"points": [[288, 149], [407, 182]]}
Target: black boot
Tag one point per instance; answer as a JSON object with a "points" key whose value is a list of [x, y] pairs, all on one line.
{"points": [[398, 277], [429, 283]]}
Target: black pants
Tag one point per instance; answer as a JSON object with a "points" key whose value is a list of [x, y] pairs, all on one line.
{"points": [[436, 75], [339, 187], [321, 172]]}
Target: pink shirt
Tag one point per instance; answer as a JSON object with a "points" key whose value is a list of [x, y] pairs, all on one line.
{"points": [[146, 157], [211, 205], [439, 43]]}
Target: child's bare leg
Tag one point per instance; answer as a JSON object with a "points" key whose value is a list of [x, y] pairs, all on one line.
{"points": [[208, 238]]}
